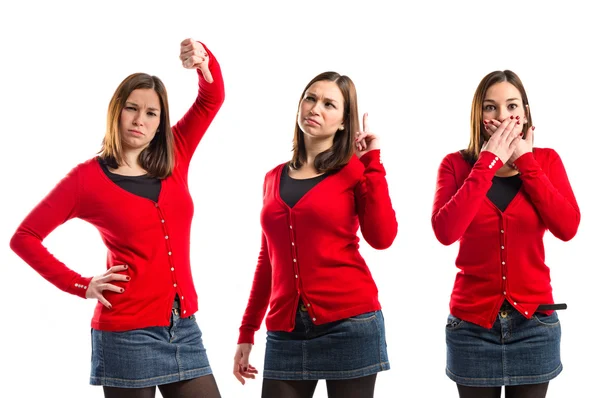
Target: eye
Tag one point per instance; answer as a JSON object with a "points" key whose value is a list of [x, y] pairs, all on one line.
{"points": [[489, 108], [130, 108], [513, 106], [309, 98], [330, 105], [151, 114]]}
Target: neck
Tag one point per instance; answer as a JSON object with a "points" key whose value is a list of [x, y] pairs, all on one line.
{"points": [[506, 171], [315, 146]]}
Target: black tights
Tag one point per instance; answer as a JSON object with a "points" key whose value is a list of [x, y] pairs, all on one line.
{"points": [[362, 387], [200, 387], [524, 391]]}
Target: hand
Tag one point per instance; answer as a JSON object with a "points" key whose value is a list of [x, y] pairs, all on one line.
{"points": [[100, 283], [523, 146], [504, 138], [241, 368], [365, 140], [194, 56]]}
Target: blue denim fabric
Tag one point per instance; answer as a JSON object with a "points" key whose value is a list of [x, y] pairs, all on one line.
{"points": [[150, 356], [345, 349], [515, 351]]}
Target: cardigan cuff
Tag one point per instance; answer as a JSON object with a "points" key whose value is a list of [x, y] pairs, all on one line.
{"points": [[488, 162], [526, 162], [246, 336], [372, 159], [79, 286]]}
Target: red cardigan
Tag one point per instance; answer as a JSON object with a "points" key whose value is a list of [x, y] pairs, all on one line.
{"points": [[501, 254], [310, 251], [152, 238]]}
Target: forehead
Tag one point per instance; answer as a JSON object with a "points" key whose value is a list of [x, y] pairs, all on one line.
{"points": [[144, 97], [501, 91], [327, 89]]}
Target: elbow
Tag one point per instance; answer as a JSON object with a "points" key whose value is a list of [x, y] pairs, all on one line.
{"points": [[15, 242], [566, 233], [382, 241], [443, 236]]}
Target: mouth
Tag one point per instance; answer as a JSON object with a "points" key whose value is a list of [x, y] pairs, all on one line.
{"points": [[136, 132], [311, 122]]}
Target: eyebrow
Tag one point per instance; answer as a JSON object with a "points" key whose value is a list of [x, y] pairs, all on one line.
{"points": [[149, 108], [508, 100], [326, 99]]}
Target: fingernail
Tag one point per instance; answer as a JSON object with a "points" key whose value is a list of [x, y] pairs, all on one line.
{"points": [[245, 369], [532, 127], [518, 122], [518, 117], [122, 290], [127, 278], [512, 117], [521, 134], [485, 122], [125, 266]]}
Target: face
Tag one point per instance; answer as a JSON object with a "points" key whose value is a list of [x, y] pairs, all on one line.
{"points": [[321, 111], [139, 119], [503, 100]]}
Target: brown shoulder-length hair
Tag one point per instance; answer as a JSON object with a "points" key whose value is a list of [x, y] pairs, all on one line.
{"points": [[342, 149], [471, 154], [158, 158]]}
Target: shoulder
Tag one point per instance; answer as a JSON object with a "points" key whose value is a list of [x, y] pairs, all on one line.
{"points": [[274, 172], [545, 155], [456, 160]]}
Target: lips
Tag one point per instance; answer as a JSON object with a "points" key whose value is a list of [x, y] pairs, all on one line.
{"points": [[312, 122], [136, 132]]}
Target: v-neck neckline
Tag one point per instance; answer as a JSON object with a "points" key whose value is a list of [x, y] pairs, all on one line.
{"points": [[278, 186], [516, 198], [118, 188]]}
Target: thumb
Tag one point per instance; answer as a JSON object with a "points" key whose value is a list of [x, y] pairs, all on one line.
{"points": [[206, 72]]}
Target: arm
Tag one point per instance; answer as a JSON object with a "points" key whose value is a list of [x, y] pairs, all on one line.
{"points": [[551, 194], [60, 205], [454, 207], [190, 129], [259, 296], [375, 213]]}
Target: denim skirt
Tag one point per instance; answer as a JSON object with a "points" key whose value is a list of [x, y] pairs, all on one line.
{"points": [[149, 356], [345, 349], [515, 351]]}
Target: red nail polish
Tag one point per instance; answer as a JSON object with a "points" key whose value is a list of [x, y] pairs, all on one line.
{"points": [[518, 117], [128, 278], [122, 290], [485, 122], [512, 117], [532, 127], [518, 122]]}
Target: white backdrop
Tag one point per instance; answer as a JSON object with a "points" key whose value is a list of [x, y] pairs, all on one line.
{"points": [[415, 66]]}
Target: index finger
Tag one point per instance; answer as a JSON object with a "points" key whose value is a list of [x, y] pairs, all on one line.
{"points": [[116, 268], [366, 122]]}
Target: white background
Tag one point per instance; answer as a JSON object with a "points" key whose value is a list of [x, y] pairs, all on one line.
{"points": [[416, 67]]}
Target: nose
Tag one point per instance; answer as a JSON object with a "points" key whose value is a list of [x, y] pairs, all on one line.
{"points": [[503, 114], [137, 119]]}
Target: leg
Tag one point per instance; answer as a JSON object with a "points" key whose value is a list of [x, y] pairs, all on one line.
{"points": [[288, 388], [527, 391], [362, 387], [478, 392], [114, 392], [200, 387]]}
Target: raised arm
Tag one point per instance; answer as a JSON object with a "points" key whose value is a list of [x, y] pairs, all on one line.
{"points": [[551, 194], [211, 93], [376, 215]]}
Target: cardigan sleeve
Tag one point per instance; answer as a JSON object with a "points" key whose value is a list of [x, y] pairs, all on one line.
{"points": [[60, 205], [551, 194], [190, 129], [377, 218], [259, 296], [454, 205]]}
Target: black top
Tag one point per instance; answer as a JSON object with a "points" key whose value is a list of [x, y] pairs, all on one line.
{"points": [[504, 190], [292, 190], [144, 186]]}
